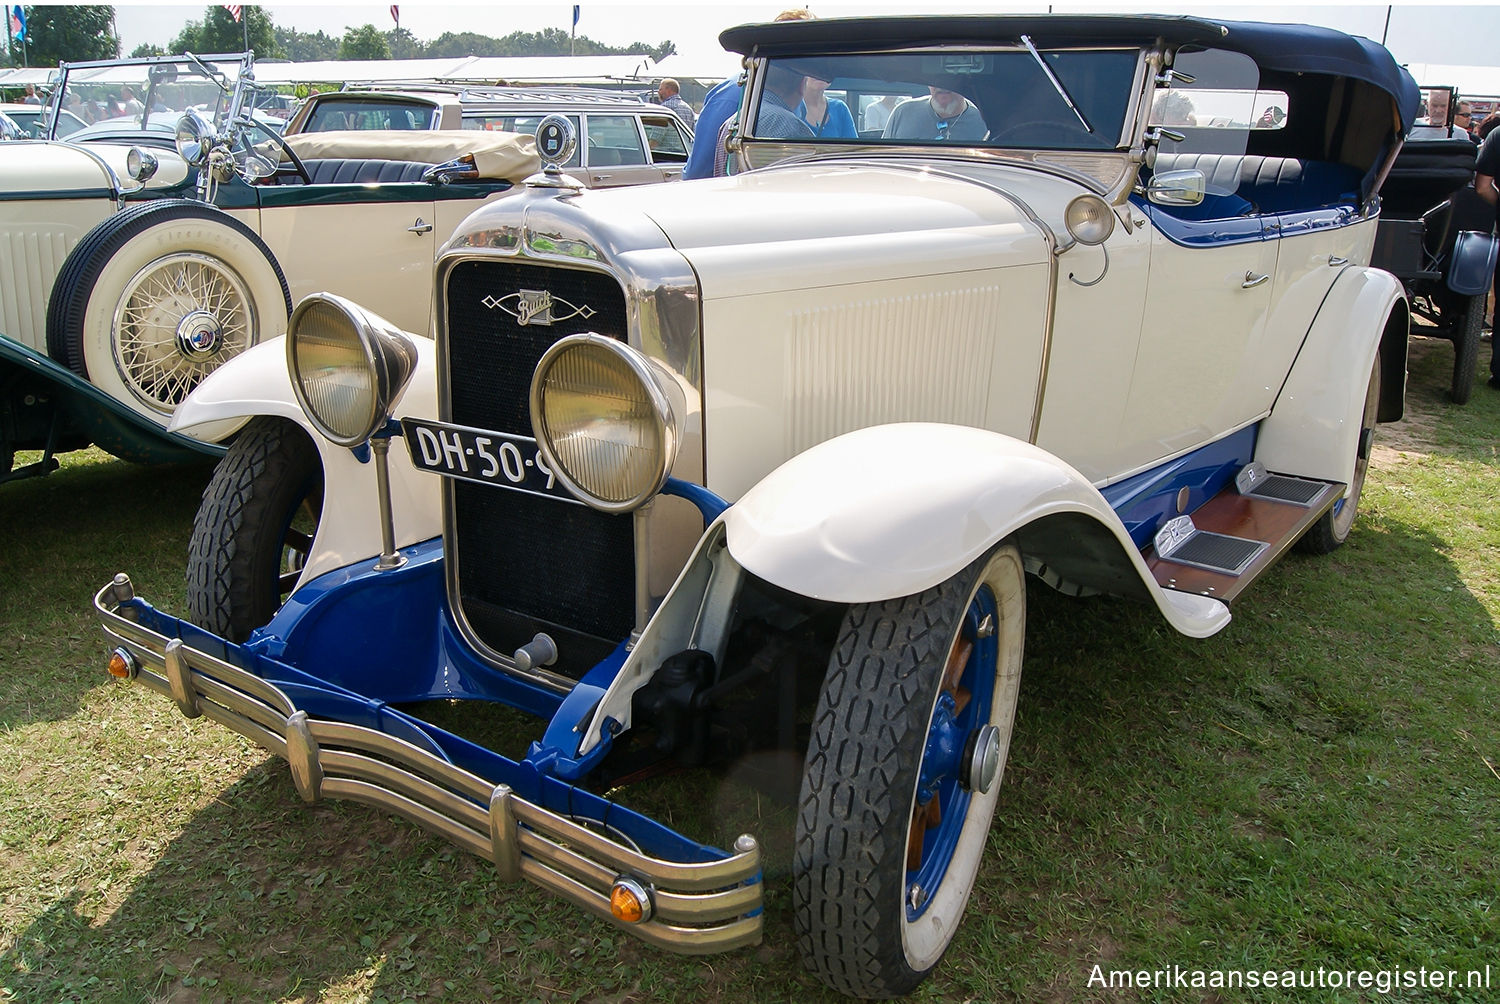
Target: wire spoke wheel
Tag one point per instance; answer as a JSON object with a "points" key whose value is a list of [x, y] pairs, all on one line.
{"points": [[178, 320]]}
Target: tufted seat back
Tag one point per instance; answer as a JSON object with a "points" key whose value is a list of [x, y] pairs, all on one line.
{"points": [[339, 171], [1268, 184]]}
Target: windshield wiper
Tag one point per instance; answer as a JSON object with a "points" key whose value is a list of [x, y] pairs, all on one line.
{"points": [[1062, 91]]}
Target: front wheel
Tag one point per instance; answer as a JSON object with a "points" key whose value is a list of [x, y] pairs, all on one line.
{"points": [[160, 295], [254, 529], [903, 770]]}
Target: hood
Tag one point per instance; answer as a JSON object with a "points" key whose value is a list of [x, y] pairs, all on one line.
{"points": [[812, 225], [52, 170]]}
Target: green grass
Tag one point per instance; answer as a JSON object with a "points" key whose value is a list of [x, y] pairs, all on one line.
{"points": [[1316, 786]]}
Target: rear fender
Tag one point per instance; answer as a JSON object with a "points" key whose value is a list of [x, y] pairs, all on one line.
{"points": [[256, 382], [1314, 426], [892, 510]]}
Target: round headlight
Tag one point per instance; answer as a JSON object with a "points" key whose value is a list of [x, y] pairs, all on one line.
{"points": [[195, 134], [348, 366], [604, 421], [1089, 219]]}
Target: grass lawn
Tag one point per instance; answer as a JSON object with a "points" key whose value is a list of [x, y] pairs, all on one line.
{"points": [[1316, 786]]}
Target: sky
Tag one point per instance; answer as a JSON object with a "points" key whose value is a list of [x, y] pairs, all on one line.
{"points": [[1417, 33]]}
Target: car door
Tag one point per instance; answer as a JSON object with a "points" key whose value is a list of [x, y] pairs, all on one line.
{"points": [[1208, 299], [373, 243], [668, 142], [614, 152]]}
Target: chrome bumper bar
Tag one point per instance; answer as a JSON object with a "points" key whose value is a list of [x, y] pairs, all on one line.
{"points": [[698, 907]]}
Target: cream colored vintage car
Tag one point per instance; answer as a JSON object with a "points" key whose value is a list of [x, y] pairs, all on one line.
{"points": [[749, 472], [130, 274]]}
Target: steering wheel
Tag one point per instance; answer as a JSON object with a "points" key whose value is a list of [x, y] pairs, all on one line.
{"points": [[286, 148], [1037, 131]]}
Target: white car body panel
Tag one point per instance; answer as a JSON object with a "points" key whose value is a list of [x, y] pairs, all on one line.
{"points": [[256, 382], [891, 510]]}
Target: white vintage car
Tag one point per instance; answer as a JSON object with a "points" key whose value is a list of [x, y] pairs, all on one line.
{"points": [[131, 274], [753, 469]]}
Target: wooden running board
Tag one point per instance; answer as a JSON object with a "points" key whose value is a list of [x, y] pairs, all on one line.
{"points": [[1278, 524]]}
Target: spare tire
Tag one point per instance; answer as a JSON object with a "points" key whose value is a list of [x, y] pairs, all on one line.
{"points": [[160, 295]]}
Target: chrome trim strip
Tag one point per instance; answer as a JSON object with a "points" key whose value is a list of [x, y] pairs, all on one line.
{"points": [[701, 907]]}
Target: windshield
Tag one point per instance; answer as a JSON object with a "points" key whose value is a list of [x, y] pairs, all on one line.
{"points": [[145, 96], [1067, 99]]}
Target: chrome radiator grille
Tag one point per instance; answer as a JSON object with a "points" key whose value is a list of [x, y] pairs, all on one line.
{"points": [[524, 563]]}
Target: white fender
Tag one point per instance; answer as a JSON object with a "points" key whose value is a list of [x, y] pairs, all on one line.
{"points": [[256, 382], [1313, 428], [891, 510]]}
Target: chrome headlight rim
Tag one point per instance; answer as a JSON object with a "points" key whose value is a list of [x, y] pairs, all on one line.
{"points": [[193, 137], [140, 164], [1089, 219], [664, 424], [388, 355]]}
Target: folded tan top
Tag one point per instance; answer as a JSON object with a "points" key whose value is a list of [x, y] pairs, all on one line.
{"points": [[497, 155]]}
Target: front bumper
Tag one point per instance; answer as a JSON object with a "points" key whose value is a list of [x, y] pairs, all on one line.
{"points": [[699, 907]]}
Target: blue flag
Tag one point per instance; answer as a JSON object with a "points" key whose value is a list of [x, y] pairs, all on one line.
{"points": [[18, 22], [576, 9]]}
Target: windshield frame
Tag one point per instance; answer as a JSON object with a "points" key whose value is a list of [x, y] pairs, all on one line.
{"points": [[1107, 169], [233, 69]]}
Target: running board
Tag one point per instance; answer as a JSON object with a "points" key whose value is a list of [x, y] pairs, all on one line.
{"points": [[1235, 536]]}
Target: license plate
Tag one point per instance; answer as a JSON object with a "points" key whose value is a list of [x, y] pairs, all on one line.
{"points": [[490, 458]]}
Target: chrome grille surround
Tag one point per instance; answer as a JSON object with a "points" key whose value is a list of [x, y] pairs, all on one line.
{"points": [[663, 316]]}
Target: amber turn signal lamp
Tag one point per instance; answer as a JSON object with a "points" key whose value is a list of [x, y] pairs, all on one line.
{"points": [[629, 901], [122, 664]]}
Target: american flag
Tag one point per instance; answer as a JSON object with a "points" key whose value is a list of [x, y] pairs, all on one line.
{"points": [[234, 11], [396, 14]]}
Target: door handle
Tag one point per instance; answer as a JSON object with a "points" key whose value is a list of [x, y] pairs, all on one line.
{"points": [[1336, 260], [419, 227], [603, 177], [1252, 280]]}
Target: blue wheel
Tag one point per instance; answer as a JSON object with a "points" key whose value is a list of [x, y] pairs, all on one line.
{"points": [[903, 770]]}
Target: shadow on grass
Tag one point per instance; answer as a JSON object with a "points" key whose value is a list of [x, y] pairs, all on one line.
{"points": [[1289, 792], [61, 538]]}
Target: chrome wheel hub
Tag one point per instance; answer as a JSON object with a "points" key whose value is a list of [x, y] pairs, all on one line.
{"points": [[199, 335], [983, 761]]}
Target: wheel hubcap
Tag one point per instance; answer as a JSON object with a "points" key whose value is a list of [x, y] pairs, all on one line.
{"points": [[199, 335], [983, 760]]}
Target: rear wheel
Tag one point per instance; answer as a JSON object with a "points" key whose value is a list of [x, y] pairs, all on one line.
{"points": [[254, 529], [903, 771], [160, 295], [1466, 331], [1333, 528]]}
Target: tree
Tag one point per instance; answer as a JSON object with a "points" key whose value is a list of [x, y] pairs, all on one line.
{"points": [[59, 34], [147, 49], [304, 47], [404, 45], [220, 32], [364, 42]]}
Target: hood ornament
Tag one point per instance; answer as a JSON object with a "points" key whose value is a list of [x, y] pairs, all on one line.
{"points": [[556, 139], [537, 306]]}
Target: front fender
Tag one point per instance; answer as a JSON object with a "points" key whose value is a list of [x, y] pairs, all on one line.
{"points": [[98, 415], [256, 382], [1314, 426], [892, 510]]}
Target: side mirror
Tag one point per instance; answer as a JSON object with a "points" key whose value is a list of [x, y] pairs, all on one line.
{"points": [[1177, 188]]}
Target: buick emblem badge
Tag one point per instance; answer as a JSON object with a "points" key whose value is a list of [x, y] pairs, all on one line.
{"points": [[537, 306]]}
